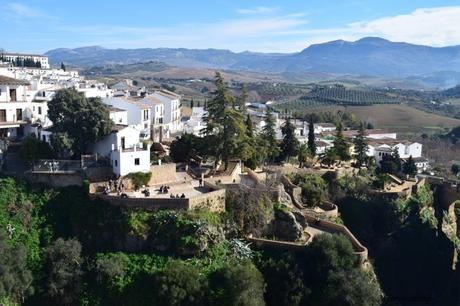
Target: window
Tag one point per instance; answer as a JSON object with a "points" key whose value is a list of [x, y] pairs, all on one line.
{"points": [[44, 138], [2, 115], [115, 162], [19, 114], [146, 114], [137, 161], [39, 110]]}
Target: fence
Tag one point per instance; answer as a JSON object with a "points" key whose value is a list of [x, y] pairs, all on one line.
{"points": [[51, 165]]}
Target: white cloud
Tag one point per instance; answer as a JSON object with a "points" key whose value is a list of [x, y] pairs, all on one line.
{"points": [[426, 26], [257, 10], [285, 33], [18, 12]]}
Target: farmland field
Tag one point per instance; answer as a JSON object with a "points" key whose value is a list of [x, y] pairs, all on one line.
{"points": [[393, 117]]}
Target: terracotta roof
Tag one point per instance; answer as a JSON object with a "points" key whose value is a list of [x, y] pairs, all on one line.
{"points": [[4, 80]]}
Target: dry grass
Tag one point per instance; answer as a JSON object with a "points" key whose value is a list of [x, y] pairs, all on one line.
{"points": [[396, 117]]}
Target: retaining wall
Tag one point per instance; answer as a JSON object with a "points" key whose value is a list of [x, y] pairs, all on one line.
{"points": [[162, 174], [55, 179], [360, 250]]}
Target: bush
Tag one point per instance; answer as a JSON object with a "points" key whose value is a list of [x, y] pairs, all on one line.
{"points": [[237, 284], [140, 179]]}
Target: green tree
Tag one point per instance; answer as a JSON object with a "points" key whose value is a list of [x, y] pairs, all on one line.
{"points": [[62, 144], [314, 188], [224, 124], [391, 163], [63, 271], [179, 284], [361, 147], [63, 66], [311, 138], [284, 280], [269, 135], [183, 146], [15, 277], [409, 167], [85, 121], [455, 169], [302, 155], [242, 99], [33, 149], [329, 157], [290, 143], [335, 276], [237, 284], [341, 145]]}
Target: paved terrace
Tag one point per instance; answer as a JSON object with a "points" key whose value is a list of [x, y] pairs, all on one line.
{"points": [[190, 188]]}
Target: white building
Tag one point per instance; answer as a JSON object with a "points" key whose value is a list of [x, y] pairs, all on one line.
{"points": [[125, 150], [157, 108], [118, 116], [127, 88], [16, 111], [382, 148], [172, 109], [323, 127], [195, 124], [139, 114], [13, 57]]}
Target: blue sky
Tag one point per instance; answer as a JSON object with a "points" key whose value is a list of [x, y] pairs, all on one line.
{"points": [[266, 26]]}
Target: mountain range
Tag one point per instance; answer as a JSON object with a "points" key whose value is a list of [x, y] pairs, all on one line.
{"points": [[371, 56]]}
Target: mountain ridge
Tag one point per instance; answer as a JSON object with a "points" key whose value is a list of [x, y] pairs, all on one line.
{"points": [[367, 56]]}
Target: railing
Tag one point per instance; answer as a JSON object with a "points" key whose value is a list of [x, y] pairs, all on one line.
{"points": [[51, 165]]}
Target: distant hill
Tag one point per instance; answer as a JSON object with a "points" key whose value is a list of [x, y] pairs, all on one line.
{"points": [[368, 56]]}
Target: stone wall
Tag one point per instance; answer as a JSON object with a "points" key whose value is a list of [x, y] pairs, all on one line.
{"points": [[332, 227], [213, 201], [145, 203], [56, 179], [163, 174]]}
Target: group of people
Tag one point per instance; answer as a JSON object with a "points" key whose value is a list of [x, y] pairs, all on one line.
{"points": [[164, 189], [116, 185], [177, 196]]}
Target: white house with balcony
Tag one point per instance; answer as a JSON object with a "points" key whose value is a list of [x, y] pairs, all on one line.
{"points": [[17, 112], [172, 109], [138, 113], [125, 150], [157, 108]]}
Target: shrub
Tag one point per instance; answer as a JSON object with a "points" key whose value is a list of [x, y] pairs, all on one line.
{"points": [[140, 178]]}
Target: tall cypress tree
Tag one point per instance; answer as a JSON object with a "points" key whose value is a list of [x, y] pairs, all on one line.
{"points": [[290, 144], [249, 126], [341, 145], [361, 146], [242, 99], [311, 138], [224, 125], [269, 135]]}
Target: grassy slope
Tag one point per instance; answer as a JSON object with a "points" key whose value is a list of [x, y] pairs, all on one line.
{"points": [[399, 118]]}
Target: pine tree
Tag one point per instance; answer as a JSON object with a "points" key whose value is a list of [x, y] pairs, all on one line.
{"points": [[311, 138], [361, 146], [249, 126], [269, 135], [242, 99], [224, 125], [341, 145], [290, 144], [409, 167]]}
